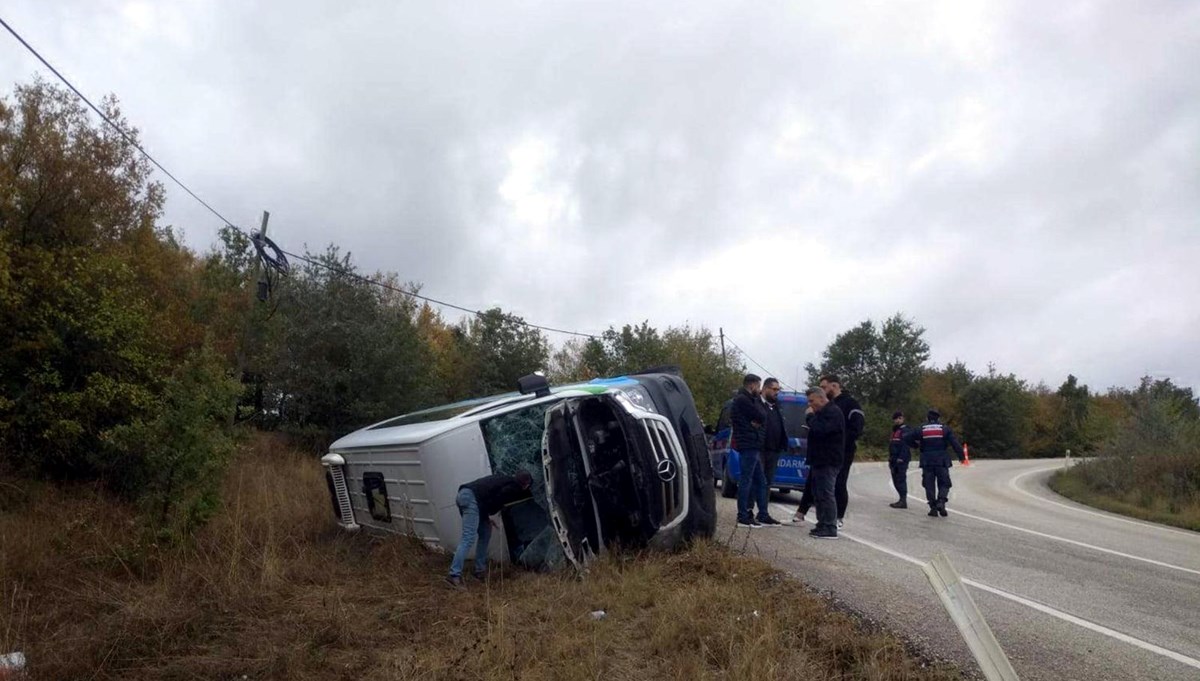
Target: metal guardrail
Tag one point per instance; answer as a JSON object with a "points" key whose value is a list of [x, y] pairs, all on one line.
{"points": [[969, 620]]}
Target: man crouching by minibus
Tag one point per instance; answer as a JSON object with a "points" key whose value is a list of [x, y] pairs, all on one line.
{"points": [[477, 502]]}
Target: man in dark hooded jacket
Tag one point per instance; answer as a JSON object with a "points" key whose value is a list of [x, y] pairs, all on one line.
{"points": [[899, 456], [934, 439], [855, 423]]}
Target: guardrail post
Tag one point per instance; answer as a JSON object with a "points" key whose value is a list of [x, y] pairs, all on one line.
{"points": [[969, 620]]}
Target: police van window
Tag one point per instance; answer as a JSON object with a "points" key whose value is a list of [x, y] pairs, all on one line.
{"points": [[793, 418], [375, 490]]}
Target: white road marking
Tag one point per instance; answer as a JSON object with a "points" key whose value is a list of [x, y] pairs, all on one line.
{"points": [[1040, 607], [1109, 516], [1064, 540]]}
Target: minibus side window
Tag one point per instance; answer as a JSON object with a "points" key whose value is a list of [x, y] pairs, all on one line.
{"points": [[375, 490]]}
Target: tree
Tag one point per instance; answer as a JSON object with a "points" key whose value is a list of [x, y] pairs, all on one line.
{"points": [[853, 356], [503, 349], [901, 353], [882, 366], [1177, 398], [346, 352], [446, 351], [104, 315], [1073, 404], [696, 351], [82, 354], [996, 413]]}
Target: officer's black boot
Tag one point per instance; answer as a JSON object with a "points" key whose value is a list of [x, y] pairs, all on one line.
{"points": [[941, 509], [900, 504], [933, 509]]}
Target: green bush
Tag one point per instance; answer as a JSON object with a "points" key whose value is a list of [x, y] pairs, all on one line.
{"points": [[105, 374], [1151, 468], [172, 460]]}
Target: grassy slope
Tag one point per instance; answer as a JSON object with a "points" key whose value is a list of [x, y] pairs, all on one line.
{"points": [[270, 589], [1148, 508]]}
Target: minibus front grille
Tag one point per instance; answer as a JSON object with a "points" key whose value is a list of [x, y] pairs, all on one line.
{"points": [[342, 494]]}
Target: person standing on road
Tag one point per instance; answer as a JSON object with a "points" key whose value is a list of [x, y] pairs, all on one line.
{"points": [[775, 441], [899, 454], [826, 446], [477, 502], [748, 418], [855, 422], [934, 438]]}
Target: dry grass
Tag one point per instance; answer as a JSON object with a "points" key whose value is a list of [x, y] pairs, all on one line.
{"points": [[270, 589], [1136, 504]]}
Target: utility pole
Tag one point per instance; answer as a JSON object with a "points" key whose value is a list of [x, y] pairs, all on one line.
{"points": [[724, 359], [252, 332], [261, 289]]}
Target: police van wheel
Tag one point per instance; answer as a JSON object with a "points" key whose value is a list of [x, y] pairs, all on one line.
{"points": [[728, 486]]}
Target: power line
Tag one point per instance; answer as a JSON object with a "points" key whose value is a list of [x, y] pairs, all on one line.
{"points": [[477, 313], [114, 126], [133, 143], [757, 364]]}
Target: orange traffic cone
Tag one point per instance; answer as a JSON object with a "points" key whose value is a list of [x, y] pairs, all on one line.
{"points": [[966, 455]]}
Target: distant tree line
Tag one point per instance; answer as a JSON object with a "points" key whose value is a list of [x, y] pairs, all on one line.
{"points": [[999, 415]]}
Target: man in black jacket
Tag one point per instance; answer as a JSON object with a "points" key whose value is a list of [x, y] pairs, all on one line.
{"points": [[826, 446], [899, 455], [775, 441], [748, 418], [477, 501], [855, 422], [934, 438]]}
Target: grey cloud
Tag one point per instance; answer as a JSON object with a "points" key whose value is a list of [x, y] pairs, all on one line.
{"points": [[1022, 180]]}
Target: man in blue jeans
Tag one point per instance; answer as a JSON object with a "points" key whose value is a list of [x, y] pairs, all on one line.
{"points": [[477, 501], [748, 417]]}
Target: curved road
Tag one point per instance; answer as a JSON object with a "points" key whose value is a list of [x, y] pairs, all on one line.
{"points": [[1070, 592]]}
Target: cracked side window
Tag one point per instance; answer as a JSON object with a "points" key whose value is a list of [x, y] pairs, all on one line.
{"points": [[514, 443]]}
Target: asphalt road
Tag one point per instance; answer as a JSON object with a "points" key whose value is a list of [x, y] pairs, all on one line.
{"points": [[1070, 592]]}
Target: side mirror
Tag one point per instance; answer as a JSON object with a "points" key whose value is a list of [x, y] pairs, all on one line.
{"points": [[534, 383]]}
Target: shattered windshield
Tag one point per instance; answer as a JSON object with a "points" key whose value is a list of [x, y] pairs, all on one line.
{"points": [[514, 443]]}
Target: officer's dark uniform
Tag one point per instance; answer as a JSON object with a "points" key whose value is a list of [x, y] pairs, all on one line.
{"points": [[933, 439], [855, 423], [899, 455]]}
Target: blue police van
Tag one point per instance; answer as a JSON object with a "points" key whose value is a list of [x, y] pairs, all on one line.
{"points": [[792, 472]]}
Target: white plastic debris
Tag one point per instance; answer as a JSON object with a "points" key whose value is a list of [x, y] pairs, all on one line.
{"points": [[12, 662], [756, 613], [599, 614]]}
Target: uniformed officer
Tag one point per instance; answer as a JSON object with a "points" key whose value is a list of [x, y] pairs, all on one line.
{"points": [[899, 455], [933, 439]]}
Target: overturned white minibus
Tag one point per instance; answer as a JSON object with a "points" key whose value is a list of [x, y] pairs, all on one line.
{"points": [[620, 461]]}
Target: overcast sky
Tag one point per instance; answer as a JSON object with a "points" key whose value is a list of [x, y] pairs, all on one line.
{"points": [[1021, 178]]}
